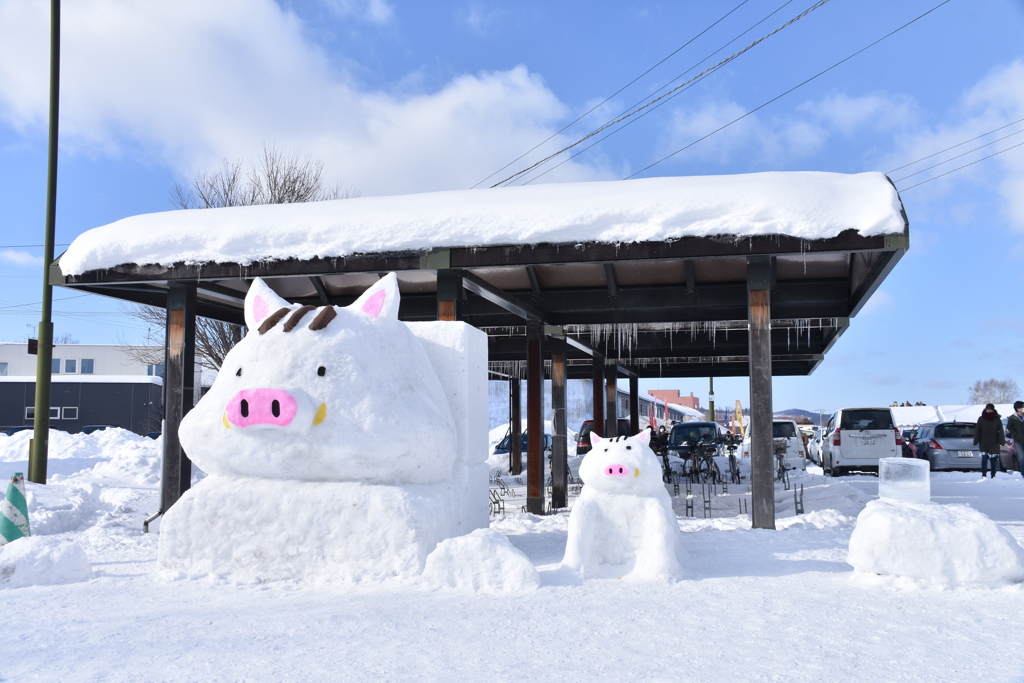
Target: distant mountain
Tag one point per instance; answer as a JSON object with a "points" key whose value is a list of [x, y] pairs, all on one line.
{"points": [[797, 412]]}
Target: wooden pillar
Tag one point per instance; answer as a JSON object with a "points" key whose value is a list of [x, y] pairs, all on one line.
{"points": [[449, 295], [559, 446], [515, 423], [534, 422], [634, 405], [598, 425], [762, 457], [611, 409], [179, 376]]}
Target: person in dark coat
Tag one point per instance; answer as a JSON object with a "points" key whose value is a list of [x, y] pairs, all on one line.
{"points": [[1015, 431], [989, 436]]}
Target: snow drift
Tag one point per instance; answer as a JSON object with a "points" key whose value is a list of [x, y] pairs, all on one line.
{"points": [[42, 561]]}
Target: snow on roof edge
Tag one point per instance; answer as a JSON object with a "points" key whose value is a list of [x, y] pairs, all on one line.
{"points": [[804, 204]]}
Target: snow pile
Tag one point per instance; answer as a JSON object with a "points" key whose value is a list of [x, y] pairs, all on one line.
{"points": [[41, 561], [904, 479], [483, 561], [942, 544], [622, 524], [808, 205], [341, 443], [110, 454]]}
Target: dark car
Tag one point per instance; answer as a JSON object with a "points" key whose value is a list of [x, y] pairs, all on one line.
{"points": [[685, 433], [505, 445], [89, 429], [11, 431], [583, 441]]}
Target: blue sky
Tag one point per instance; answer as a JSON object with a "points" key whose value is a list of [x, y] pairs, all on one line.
{"points": [[405, 97]]}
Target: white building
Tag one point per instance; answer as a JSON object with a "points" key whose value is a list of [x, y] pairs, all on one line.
{"points": [[81, 359]]}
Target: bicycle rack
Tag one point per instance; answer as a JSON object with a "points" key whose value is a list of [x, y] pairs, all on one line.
{"points": [[798, 500], [689, 506], [705, 492], [744, 508]]}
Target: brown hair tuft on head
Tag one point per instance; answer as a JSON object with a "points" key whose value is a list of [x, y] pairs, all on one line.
{"points": [[323, 318], [273, 319], [295, 317]]}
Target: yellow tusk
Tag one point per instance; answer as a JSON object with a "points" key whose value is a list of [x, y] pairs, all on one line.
{"points": [[637, 473], [227, 425], [321, 414]]}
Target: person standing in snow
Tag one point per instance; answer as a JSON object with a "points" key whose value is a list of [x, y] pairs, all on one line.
{"points": [[988, 434], [1015, 431]]}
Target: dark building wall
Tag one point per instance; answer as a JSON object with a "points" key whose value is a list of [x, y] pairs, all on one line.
{"points": [[136, 407]]}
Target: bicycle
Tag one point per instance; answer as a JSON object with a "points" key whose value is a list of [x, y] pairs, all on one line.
{"points": [[702, 465]]}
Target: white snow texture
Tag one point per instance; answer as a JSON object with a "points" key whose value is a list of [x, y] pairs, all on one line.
{"points": [[355, 474], [622, 525], [42, 561], [483, 561], [948, 545], [809, 205]]}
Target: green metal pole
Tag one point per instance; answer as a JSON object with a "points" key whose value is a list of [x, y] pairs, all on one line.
{"points": [[41, 424], [711, 399]]}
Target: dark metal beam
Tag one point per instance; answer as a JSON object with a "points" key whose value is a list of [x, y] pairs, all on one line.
{"points": [[179, 376], [534, 419], [531, 273], [321, 291], [498, 297], [762, 457], [559, 446], [609, 276]]}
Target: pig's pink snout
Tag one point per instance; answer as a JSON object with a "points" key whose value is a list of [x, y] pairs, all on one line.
{"points": [[262, 407], [617, 470]]}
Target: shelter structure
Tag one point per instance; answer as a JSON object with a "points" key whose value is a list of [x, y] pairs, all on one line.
{"points": [[753, 275]]}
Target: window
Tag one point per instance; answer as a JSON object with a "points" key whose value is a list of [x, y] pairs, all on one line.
{"points": [[3, 369], [962, 430], [69, 413], [155, 370], [867, 419], [783, 429], [30, 413], [87, 366], [54, 413], [55, 366], [71, 366]]}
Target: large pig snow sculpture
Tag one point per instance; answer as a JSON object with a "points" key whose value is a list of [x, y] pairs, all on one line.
{"points": [[623, 525], [330, 446]]}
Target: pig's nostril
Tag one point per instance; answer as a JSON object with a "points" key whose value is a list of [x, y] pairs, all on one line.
{"points": [[245, 408], [275, 408]]}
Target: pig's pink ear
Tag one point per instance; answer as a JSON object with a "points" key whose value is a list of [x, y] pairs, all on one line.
{"points": [[644, 437], [260, 302], [380, 300], [595, 439]]}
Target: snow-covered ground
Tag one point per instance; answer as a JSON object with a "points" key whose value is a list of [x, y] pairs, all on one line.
{"points": [[755, 605]]}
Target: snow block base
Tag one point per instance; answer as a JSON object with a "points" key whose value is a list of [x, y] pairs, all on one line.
{"points": [[258, 530], [944, 544]]}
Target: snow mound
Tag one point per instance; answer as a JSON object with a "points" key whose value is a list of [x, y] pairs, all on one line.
{"points": [[41, 561], [482, 561], [943, 544], [56, 509]]}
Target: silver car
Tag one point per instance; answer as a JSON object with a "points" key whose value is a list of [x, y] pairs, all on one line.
{"points": [[948, 446]]}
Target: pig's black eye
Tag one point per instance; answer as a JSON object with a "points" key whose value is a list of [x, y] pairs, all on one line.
{"points": [[239, 373], [629, 448], [321, 371]]}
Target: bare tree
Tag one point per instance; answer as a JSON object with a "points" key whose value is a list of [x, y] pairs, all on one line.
{"points": [[65, 338], [275, 177], [993, 391]]}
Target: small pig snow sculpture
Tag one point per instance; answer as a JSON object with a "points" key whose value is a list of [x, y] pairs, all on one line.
{"points": [[623, 525], [329, 444]]}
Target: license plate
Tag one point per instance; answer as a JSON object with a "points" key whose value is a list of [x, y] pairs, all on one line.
{"points": [[868, 442], [965, 454]]}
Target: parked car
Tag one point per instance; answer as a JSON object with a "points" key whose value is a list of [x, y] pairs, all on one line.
{"points": [[11, 431], [505, 445], [583, 439], [856, 438], [688, 432], [89, 429], [948, 446], [795, 458]]}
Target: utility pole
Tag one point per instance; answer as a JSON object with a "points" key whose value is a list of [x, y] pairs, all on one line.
{"points": [[41, 423], [711, 400]]}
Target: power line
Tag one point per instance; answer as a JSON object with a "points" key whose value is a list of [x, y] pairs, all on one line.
{"points": [[800, 85], [963, 154], [960, 167], [581, 116], [29, 246], [636, 111], [957, 145], [666, 101]]}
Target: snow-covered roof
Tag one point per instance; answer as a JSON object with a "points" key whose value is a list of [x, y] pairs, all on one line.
{"points": [[90, 379], [807, 205]]}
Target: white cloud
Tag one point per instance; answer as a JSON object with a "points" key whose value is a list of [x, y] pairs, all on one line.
{"points": [[19, 258], [374, 11], [480, 18], [877, 111], [994, 101], [194, 82]]}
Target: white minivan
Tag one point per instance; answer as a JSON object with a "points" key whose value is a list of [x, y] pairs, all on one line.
{"points": [[785, 431], [855, 439]]}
